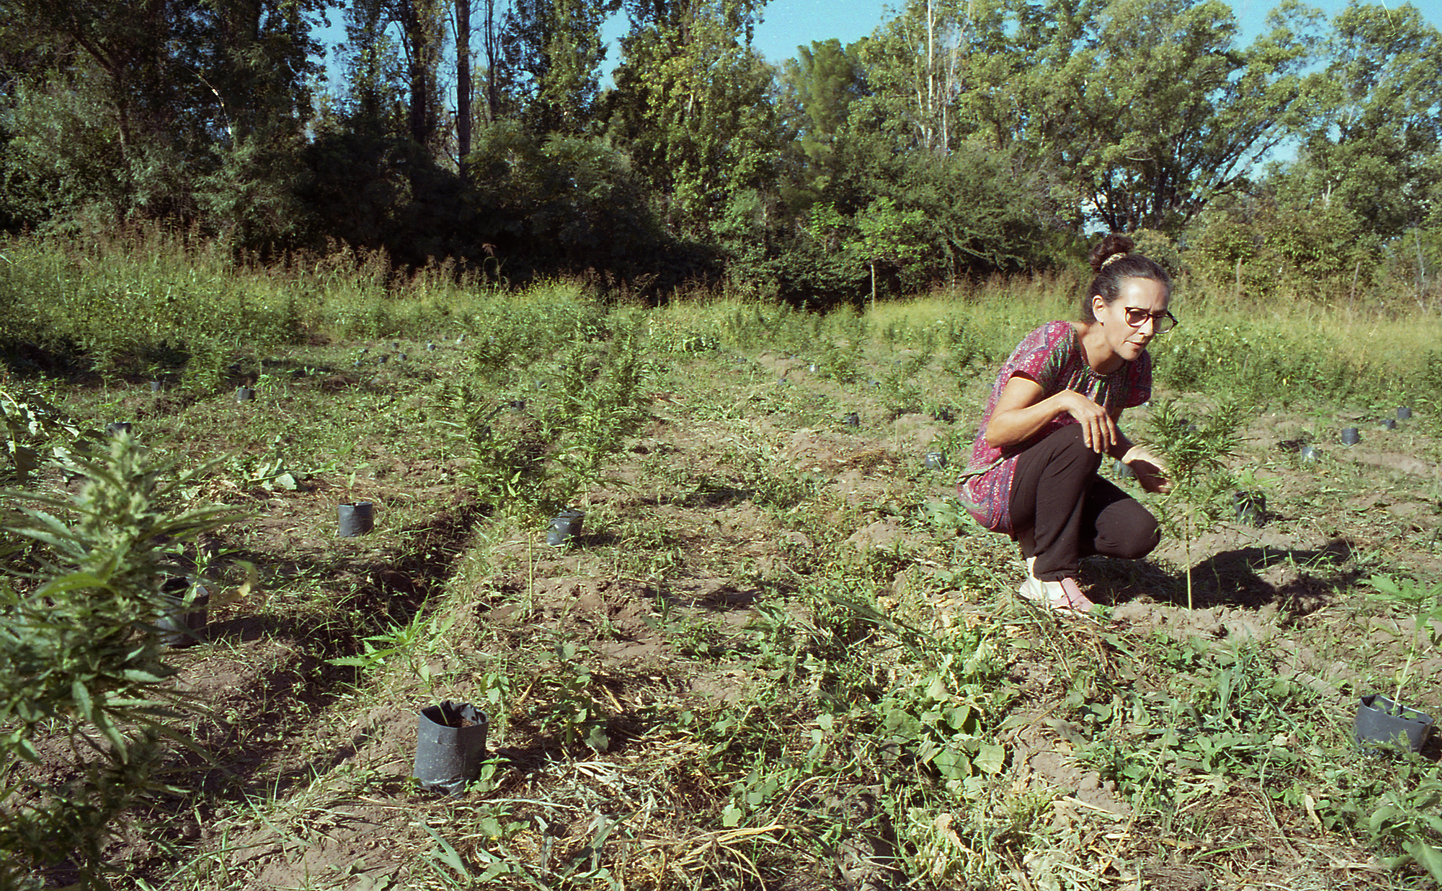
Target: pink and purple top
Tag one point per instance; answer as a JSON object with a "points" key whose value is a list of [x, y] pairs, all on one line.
{"points": [[1052, 356]]}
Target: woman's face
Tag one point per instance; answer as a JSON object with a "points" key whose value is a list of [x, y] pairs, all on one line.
{"points": [[1133, 319]]}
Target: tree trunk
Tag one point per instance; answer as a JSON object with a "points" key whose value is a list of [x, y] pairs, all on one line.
{"points": [[463, 85], [418, 34], [493, 60]]}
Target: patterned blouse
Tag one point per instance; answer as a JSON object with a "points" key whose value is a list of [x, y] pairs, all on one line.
{"points": [[1052, 356]]}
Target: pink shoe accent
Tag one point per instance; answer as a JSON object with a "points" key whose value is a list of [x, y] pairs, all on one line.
{"points": [[1071, 598], [1063, 596]]}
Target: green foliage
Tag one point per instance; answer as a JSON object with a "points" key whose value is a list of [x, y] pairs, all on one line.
{"points": [[1196, 454], [1424, 603], [571, 708], [36, 435], [81, 657], [1247, 361], [1225, 713], [544, 449]]}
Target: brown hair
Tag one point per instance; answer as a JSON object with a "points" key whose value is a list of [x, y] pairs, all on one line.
{"points": [[1115, 260]]}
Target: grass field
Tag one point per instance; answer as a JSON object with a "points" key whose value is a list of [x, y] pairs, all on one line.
{"points": [[778, 656]]}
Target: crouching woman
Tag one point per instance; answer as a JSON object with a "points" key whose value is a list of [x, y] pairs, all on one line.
{"points": [[1053, 416]]}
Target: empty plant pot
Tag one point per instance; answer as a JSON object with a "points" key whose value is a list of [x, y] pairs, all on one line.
{"points": [[1350, 436], [1382, 722], [117, 428], [565, 526], [935, 461], [1389, 423], [1404, 414], [450, 746], [1308, 454], [244, 394], [182, 623], [356, 518], [156, 386], [852, 420], [1251, 507]]}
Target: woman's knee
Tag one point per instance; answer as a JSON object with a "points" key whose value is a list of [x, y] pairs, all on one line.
{"points": [[1127, 530]]}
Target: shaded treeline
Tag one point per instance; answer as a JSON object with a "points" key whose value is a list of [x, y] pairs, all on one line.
{"points": [[959, 140]]}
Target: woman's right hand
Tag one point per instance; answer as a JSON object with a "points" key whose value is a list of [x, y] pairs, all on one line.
{"points": [[1099, 428]]}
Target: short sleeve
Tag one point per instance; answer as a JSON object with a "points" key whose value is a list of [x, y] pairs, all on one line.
{"points": [[1038, 358]]}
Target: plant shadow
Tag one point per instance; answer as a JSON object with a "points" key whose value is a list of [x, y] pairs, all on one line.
{"points": [[1296, 581]]}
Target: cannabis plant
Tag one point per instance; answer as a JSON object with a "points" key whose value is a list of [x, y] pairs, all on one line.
{"points": [[1196, 452], [82, 667]]}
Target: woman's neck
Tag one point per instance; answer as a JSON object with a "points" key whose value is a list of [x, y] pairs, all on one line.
{"points": [[1097, 352]]}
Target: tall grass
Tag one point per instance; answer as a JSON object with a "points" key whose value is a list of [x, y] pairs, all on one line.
{"points": [[132, 308]]}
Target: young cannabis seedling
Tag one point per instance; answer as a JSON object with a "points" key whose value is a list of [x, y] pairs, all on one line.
{"points": [[1196, 453]]}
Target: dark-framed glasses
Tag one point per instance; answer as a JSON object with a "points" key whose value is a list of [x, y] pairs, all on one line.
{"points": [[1162, 322]]}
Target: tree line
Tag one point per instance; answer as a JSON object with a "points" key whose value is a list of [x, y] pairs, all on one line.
{"points": [[958, 140]]}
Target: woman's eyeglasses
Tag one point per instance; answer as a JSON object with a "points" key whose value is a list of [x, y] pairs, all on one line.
{"points": [[1162, 322]]}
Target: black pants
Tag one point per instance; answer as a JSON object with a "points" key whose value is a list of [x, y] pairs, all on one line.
{"points": [[1062, 511]]}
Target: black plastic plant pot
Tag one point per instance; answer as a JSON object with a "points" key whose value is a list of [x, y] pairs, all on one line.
{"points": [[852, 420], [1389, 424], [244, 394], [118, 428], [1251, 507], [1350, 436], [565, 526], [1123, 471], [935, 461], [1404, 413], [156, 386], [356, 518], [184, 620], [1382, 722], [450, 746], [430, 347], [1308, 454]]}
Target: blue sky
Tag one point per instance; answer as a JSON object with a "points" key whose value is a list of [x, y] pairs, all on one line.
{"points": [[787, 24]]}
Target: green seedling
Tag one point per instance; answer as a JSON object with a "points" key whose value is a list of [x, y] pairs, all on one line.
{"points": [[1424, 603]]}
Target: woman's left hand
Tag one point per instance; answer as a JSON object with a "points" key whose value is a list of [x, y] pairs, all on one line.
{"points": [[1149, 470]]}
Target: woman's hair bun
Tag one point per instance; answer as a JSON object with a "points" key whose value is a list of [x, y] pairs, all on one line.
{"points": [[1113, 245]]}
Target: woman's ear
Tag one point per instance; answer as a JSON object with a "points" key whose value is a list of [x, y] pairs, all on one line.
{"points": [[1098, 306]]}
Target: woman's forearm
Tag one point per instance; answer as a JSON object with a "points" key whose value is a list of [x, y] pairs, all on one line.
{"points": [[1014, 426]]}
